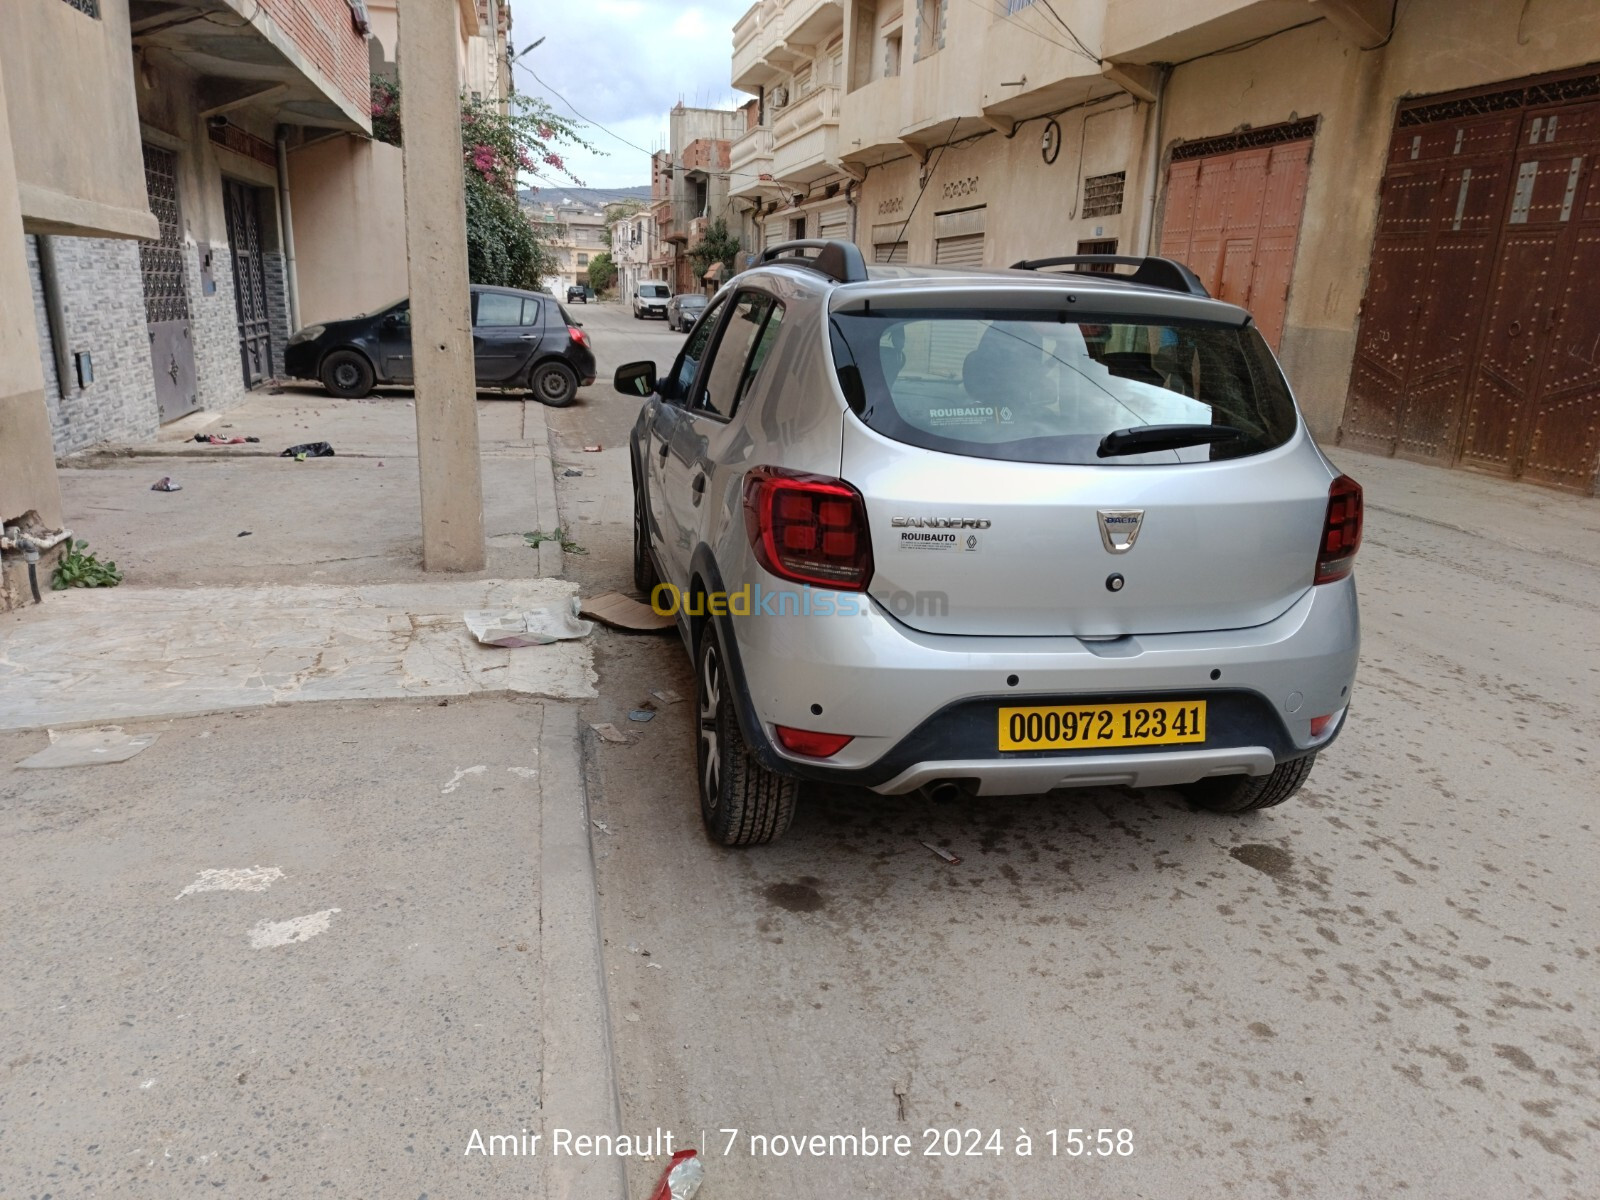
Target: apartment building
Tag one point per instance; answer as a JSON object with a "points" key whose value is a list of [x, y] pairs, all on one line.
{"points": [[689, 188], [632, 244], [1406, 196], [574, 234]]}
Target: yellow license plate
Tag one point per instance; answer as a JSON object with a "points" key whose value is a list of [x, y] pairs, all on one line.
{"points": [[1074, 727]]}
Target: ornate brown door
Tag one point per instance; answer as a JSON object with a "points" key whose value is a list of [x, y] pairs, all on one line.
{"points": [[249, 280], [1535, 404], [1476, 346], [166, 298]]}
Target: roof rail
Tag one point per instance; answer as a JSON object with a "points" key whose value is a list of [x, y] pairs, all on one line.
{"points": [[839, 261], [1152, 272]]}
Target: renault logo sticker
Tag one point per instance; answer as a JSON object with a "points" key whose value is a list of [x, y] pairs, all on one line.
{"points": [[1119, 528]]}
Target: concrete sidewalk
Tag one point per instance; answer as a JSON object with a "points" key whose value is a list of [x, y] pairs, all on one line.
{"points": [[424, 960]]}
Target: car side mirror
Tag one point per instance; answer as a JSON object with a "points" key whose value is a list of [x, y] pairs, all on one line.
{"points": [[636, 379]]}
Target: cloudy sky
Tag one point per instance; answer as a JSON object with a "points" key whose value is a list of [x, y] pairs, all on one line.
{"points": [[624, 64]]}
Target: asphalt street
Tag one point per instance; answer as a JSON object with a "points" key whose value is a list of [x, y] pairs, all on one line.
{"points": [[1386, 986]]}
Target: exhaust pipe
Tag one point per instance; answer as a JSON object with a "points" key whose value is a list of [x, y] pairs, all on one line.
{"points": [[948, 791]]}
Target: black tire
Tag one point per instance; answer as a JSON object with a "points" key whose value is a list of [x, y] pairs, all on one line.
{"points": [[1247, 793], [554, 384], [741, 802], [347, 374], [644, 567]]}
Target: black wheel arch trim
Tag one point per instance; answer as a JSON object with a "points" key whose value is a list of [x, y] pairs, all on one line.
{"points": [[322, 360]]}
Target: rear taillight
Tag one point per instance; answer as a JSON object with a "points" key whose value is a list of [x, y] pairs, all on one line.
{"points": [[1341, 531], [577, 335], [811, 743], [808, 528]]}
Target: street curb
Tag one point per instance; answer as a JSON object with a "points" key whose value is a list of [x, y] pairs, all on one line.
{"points": [[536, 430], [579, 1089]]}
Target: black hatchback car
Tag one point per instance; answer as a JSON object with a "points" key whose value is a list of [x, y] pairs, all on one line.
{"points": [[520, 340]]}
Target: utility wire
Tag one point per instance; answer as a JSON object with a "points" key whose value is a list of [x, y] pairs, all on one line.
{"points": [[1082, 49], [1016, 19]]}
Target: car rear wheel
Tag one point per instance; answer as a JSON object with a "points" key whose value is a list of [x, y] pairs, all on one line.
{"points": [[741, 802], [644, 567], [1246, 793], [554, 384], [347, 374]]}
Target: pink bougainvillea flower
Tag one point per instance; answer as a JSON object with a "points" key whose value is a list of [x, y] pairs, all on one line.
{"points": [[546, 133], [483, 158], [554, 160]]}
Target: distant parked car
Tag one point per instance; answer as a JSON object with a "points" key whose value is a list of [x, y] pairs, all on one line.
{"points": [[521, 340], [579, 294], [650, 300], [683, 311]]}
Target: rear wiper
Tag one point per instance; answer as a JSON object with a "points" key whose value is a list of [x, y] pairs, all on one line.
{"points": [[1145, 439]]}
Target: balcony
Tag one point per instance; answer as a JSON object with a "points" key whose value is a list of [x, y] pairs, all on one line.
{"points": [[1149, 31], [811, 22], [1025, 76], [869, 122], [805, 137], [749, 160], [750, 69]]}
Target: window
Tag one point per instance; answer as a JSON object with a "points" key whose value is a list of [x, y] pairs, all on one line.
{"points": [[930, 26], [1102, 195], [797, 228], [530, 312], [1039, 390], [683, 371], [891, 54], [1099, 246], [735, 361], [89, 8], [1016, 6], [889, 252], [583, 260], [497, 310]]}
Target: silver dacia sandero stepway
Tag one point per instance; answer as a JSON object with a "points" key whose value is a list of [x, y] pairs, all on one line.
{"points": [[991, 532]]}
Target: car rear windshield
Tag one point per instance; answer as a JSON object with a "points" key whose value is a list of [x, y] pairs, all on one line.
{"points": [[653, 291], [1034, 388]]}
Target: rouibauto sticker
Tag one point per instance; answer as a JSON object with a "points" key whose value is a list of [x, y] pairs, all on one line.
{"points": [[927, 539], [975, 415]]}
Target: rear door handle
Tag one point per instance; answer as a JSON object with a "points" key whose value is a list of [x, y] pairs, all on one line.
{"points": [[662, 453], [529, 337], [699, 485]]}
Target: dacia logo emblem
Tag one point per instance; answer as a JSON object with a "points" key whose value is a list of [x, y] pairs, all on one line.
{"points": [[1119, 528]]}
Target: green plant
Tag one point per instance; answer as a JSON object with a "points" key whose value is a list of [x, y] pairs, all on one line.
{"points": [[533, 539], [77, 569], [602, 272], [718, 245], [504, 247]]}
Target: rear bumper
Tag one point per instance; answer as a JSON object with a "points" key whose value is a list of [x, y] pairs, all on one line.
{"points": [[924, 707]]}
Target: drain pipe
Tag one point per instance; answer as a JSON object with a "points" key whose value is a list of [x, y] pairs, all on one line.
{"points": [[14, 539], [1153, 163], [286, 220], [55, 314]]}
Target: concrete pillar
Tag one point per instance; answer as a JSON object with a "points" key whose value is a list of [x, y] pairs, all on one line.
{"points": [[441, 322], [27, 457]]}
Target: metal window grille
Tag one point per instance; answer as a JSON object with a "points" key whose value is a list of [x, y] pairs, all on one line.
{"points": [[89, 8], [1578, 87], [1102, 194], [161, 262], [1271, 135], [1099, 246]]}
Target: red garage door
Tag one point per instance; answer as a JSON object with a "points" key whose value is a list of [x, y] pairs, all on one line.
{"points": [[1479, 344], [1233, 215]]}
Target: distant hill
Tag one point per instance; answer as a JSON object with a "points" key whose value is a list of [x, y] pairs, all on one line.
{"points": [[588, 197]]}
